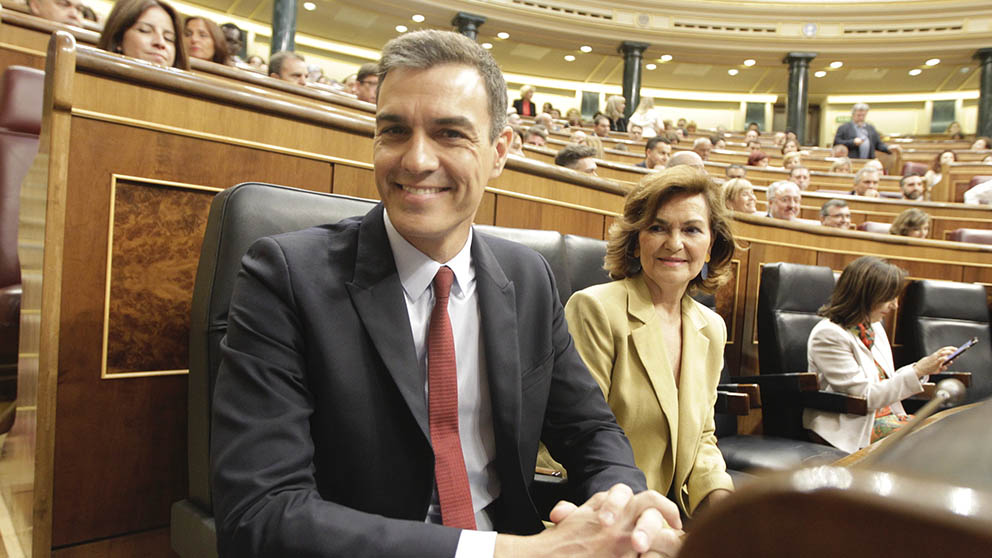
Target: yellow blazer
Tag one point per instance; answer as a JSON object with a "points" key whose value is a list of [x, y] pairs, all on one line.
{"points": [[617, 332]]}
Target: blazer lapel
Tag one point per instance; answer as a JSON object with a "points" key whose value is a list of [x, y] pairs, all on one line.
{"points": [[377, 294], [645, 332], [692, 388]]}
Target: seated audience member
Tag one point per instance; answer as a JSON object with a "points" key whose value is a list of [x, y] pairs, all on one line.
{"points": [[547, 107], [735, 171], [525, 104], [912, 188], [861, 138], [681, 123], [842, 165], [597, 144], [146, 30], [836, 214], [235, 40], [800, 175], [691, 127], [635, 132], [792, 160], [912, 222], [517, 143], [718, 142], [632, 331], [840, 150], [555, 114], [790, 146], [69, 12], [351, 86], [601, 126], [615, 105], [875, 164], [954, 131], [738, 195], [204, 40], [757, 159], [332, 331], [512, 118], [753, 126], [257, 62], [288, 66], [689, 158], [580, 158], [751, 135], [702, 147], [578, 137], [866, 182], [753, 146], [779, 139], [979, 194], [679, 133], [536, 135], [936, 171], [784, 199], [544, 119], [574, 117], [850, 353], [981, 143], [668, 126], [656, 153], [790, 135], [368, 82], [647, 117]]}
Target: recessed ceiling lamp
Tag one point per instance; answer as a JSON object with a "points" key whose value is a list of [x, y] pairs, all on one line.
{"points": [[503, 35], [836, 64], [915, 72], [569, 58], [733, 71], [401, 29], [650, 66], [418, 18], [932, 62], [665, 58], [309, 6], [487, 46], [821, 73], [750, 62], [585, 48]]}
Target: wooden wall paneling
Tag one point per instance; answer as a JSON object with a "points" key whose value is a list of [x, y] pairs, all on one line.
{"points": [[486, 215], [521, 180], [354, 181], [530, 214]]}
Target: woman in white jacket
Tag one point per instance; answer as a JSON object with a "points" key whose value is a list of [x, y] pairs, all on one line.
{"points": [[850, 353]]}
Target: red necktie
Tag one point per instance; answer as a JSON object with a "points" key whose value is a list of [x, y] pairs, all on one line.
{"points": [[442, 381]]}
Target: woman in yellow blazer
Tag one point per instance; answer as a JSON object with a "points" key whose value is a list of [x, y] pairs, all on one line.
{"points": [[657, 353]]}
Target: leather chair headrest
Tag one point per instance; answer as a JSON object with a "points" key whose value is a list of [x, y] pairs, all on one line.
{"points": [[945, 299], [21, 98], [874, 227], [791, 287], [978, 236]]}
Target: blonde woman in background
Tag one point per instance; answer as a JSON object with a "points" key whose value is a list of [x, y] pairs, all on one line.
{"points": [[615, 105]]}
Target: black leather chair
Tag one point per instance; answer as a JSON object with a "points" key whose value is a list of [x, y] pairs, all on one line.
{"points": [[935, 314]]}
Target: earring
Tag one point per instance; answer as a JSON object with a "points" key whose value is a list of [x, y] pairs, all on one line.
{"points": [[707, 258]]}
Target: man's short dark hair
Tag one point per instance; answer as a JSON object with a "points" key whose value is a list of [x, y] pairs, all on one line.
{"points": [[367, 69], [537, 130], [825, 209], [280, 58], [902, 181], [601, 117], [569, 155], [422, 50], [653, 142]]}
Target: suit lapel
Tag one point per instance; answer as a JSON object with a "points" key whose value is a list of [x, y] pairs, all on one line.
{"points": [[692, 387], [377, 294]]}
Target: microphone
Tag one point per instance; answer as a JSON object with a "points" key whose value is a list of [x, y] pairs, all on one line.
{"points": [[948, 392]]}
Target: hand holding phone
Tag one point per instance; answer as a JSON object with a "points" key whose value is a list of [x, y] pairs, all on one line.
{"points": [[957, 352]]}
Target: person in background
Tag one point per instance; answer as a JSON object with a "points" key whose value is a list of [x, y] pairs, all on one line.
{"points": [[784, 199], [718, 142], [235, 41], [688, 158], [840, 150], [691, 127], [288, 66], [912, 187], [615, 105], [601, 126], [738, 195], [866, 182], [912, 222], [657, 150], [954, 131], [702, 147], [849, 352], [574, 117], [861, 138], [935, 173], [597, 144], [735, 171], [517, 143], [647, 117], [146, 30], [792, 160], [753, 146], [836, 214], [841, 165], [981, 143], [257, 62], [204, 40], [580, 158], [635, 132], [68, 12], [979, 194], [368, 82], [757, 159], [800, 175], [536, 135], [525, 104], [790, 146], [578, 137], [547, 107]]}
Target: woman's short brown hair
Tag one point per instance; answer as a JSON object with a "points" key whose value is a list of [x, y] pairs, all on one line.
{"points": [[221, 50], [908, 220], [125, 14], [865, 283], [640, 209]]}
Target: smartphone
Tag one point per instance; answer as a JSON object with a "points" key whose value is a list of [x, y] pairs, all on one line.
{"points": [[971, 342]]}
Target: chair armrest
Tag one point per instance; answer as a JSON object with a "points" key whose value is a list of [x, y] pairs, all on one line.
{"points": [[792, 382], [732, 403], [753, 392], [834, 402], [963, 377]]}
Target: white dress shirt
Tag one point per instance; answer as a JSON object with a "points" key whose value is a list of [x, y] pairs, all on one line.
{"points": [[475, 421]]}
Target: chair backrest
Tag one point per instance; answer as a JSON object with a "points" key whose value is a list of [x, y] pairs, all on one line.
{"points": [[20, 120], [914, 167], [978, 236], [874, 227], [936, 314], [788, 300]]}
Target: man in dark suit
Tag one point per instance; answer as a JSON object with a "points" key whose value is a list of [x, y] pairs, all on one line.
{"points": [[326, 440], [861, 138]]}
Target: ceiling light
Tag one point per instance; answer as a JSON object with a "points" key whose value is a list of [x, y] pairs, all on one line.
{"points": [[965, 70], [569, 58], [487, 46], [749, 62], [665, 58], [932, 62], [418, 18], [585, 48], [309, 6], [401, 29], [650, 66], [821, 73], [915, 72], [503, 35], [733, 71], [836, 64]]}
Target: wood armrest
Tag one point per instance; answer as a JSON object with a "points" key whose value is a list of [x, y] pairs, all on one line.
{"points": [[834, 402], [732, 403], [753, 392], [792, 382], [964, 377]]}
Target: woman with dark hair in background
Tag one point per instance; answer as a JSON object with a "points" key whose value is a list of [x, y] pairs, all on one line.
{"points": [[204, 40], [912, 222], [146, 30], [937, 168]]}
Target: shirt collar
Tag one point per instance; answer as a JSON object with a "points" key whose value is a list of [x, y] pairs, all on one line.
{"points": [[417, 270]]}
